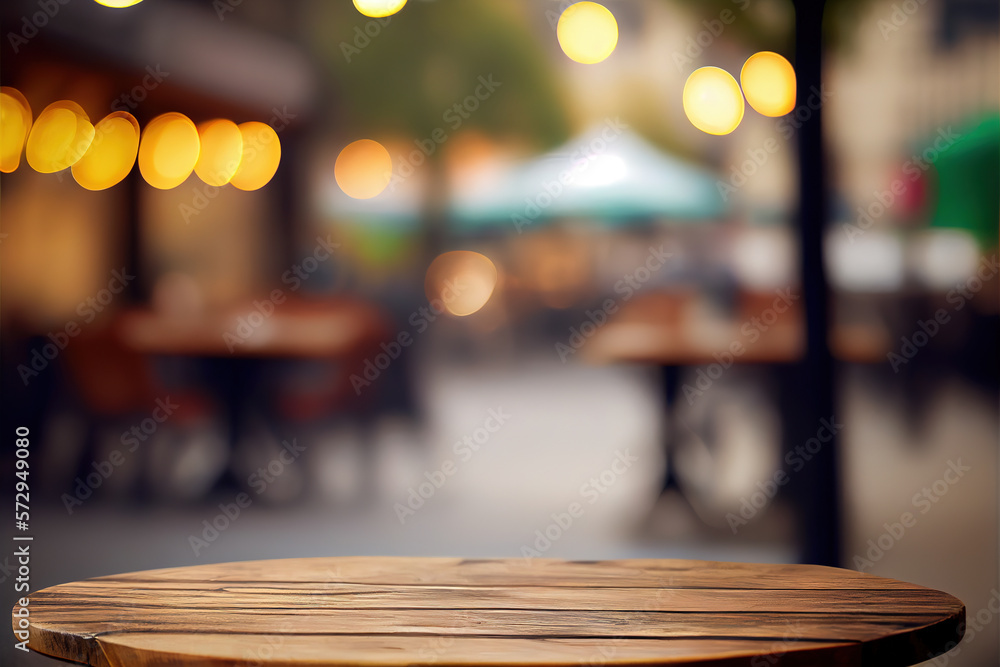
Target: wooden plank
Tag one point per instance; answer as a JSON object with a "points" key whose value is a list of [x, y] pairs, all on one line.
{"points": [[285, 651], [369, 596], [393, 610], [96, 619], [525, 572]]}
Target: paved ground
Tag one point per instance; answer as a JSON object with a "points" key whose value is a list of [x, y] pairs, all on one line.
{"points": [[563, 427]]}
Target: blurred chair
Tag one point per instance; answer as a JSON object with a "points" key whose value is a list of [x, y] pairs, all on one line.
{"points": [[166, 436], [332, 398]]}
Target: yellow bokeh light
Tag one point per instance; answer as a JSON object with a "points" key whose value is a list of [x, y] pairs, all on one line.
{"points": [[111, 155], [118, 4], [59, 137], [713, 101], [378, 8], [587, 32], [363, 169], [768, 82], [460, 282], [15, 124], [221, 151], [261, 156], [168, 150]]}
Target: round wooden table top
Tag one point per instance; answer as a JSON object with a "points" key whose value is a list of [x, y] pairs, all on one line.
{"points": [[405, 611]]}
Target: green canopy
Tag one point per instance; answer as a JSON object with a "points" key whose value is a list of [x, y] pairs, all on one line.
{"points": [[609, 173], [968, 181]]}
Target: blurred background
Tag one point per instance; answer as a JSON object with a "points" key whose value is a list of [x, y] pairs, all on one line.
{"points": [[564, 293]]}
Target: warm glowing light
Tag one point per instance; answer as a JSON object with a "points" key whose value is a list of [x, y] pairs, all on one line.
{"points": [[379, 8], [15, 123], [168, 150], [261, 156], [713, 101], [118, 4], [59, 137], [363, 169], [768, 82], [587, 32], [112, 153], [221, 151], [460, 282]]}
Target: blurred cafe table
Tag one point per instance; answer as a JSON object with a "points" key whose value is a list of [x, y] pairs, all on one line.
{"points": [[235, 343], [443, 611], [673, 330], [236, 340], [665, 328], [303, 328]]}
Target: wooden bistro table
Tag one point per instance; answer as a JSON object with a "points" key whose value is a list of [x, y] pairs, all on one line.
{"points": [[406, 611]]}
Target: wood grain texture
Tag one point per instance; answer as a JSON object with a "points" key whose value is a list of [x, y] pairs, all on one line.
{"points": [[406, 611]]}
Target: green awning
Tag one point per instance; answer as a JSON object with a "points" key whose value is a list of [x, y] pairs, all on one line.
{"points": [[608, 174], [968, 182]]}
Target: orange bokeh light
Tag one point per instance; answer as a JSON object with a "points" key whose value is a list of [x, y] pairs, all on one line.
{"points": [[768, 82], [363, 169], [221, 151], [59, 137], [460, 282], [168, 150], [111, 155], [261, 156], [15, 124]]}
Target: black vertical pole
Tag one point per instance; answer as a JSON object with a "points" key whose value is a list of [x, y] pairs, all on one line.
{"points": [[136, 290], [288, 179], [819, 480]]}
